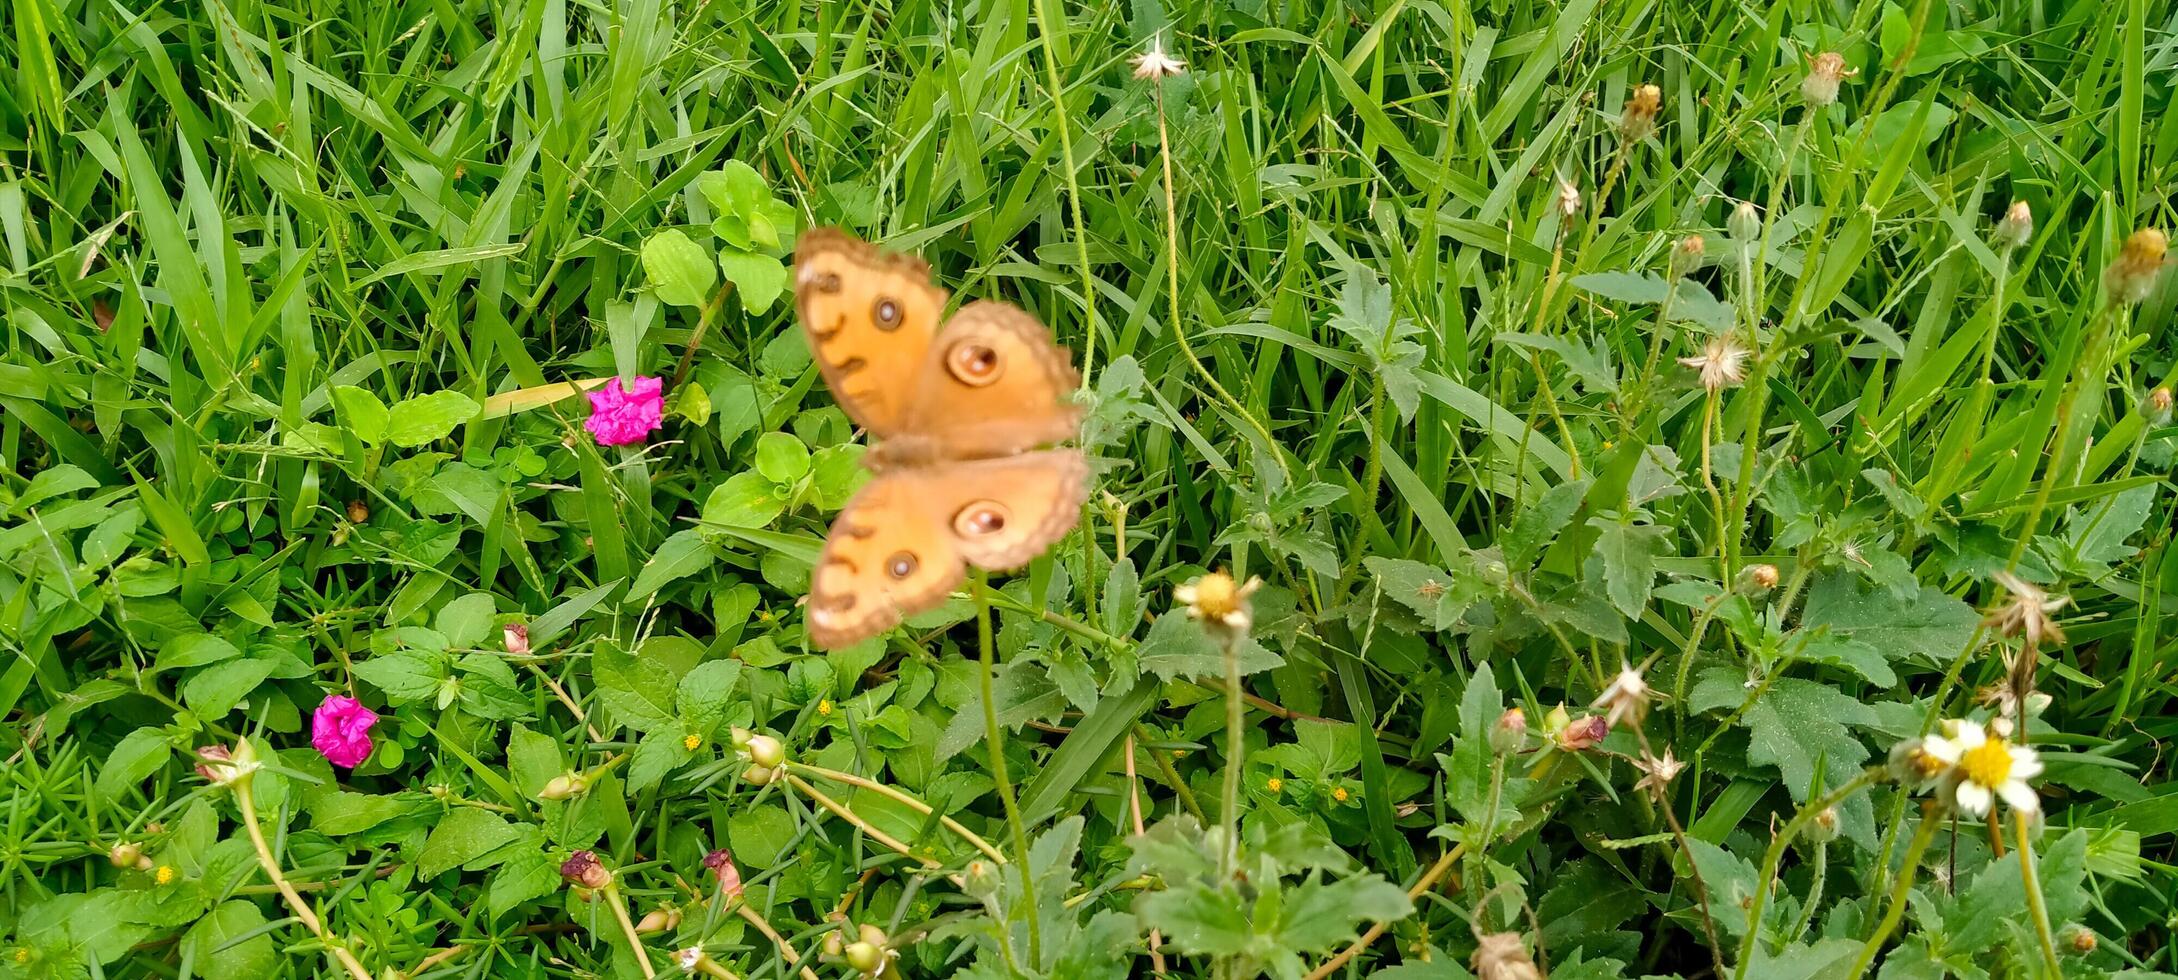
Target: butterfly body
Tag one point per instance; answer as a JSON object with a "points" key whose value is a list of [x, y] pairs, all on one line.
{"points": [[956, 408]]}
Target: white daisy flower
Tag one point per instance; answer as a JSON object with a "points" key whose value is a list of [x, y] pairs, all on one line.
{"points": [[1983, 769]]}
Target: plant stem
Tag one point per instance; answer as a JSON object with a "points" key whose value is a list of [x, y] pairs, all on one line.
{"points": [[1897, 909], [841, 810], [246, 801], [1428, 880], [903, 799], [993, 737], [2030, 879], [1776, 853], [695, 337], [1235, 751], [611, 895]]}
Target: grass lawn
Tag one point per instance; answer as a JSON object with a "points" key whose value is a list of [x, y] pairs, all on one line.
{"points": [[1574, 489]]}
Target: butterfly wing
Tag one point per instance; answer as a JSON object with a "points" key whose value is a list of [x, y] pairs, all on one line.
{"points": [[903, 543], [869, 315], [993, 384]]}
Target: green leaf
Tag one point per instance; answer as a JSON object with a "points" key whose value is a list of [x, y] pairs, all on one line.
{"points": [[1689, 300], [1540, 522], [746, 499], [659, 753], [428, 418], [362, 413], [215, 690], [1629, 562], [1177, 646], [758, 279], [1319, 915], [405, 676], [1438, 596], [1797, 723], [139, 754], [219, 948], [705, 692], [194, 650], [683, 554], [781, 458], [466, 835], [338, 813], [467, 621], [759, 836], [1927, 621], [528, 874], [638, 690], [678, 268], [1198, 920]]}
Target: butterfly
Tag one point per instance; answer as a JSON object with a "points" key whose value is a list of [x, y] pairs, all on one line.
{"points": [[956, 410]]}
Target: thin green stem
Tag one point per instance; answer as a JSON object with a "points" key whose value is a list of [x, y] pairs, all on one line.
{"points": [[1776, 853], [994, 737], [1897, 909], [903, 799], [2030, 879], [1235, 750], [246, 801]]}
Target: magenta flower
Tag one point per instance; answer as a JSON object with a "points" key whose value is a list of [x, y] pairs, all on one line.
{"points": [[341, 731], [620, 415]]}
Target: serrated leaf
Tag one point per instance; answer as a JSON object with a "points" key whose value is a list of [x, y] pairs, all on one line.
{"points": [[1927, 622], [1540, 522], [638, 690], [527, 874], [1629, 554], [1438, 596], [1319, 915], [705, 692], [465, 835], [1177, 646], [406, 676], [1798, 723]]}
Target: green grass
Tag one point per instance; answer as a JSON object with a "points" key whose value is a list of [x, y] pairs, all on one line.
{"points": [[1441, 418]]}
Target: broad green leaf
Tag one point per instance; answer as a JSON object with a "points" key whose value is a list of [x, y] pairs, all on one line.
{"points": [[232, 942], [759, 836], [1438, 596], [363, 413], [215, 690], [335, 814], [684, 553], [467, 834], [705, 692], [637, 689], [746, 499], [1629, 553], [758, 279], [657, 754], [408, 676], [428, 418], [1929, 622], [467, 621], [1177, 646], [680, 270], [194, 650], [781, 458], [139, 754]]}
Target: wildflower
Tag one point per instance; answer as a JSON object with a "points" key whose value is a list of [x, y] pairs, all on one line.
{"points": [[1762, 577], [1687, 255], [1638, 119], [358, 512], [2082, 940], [1501, 956], [1339, 794], [691, 741], [1657, 773], [1274, 784], [1569, 198], [1154, 64], [1914, 766], [2132, 274], [1984, 769], [2002, 700], [1625, 699], [2017, 225], [2026, 613], [1722, 363], [1218, 601], [721, 863], [1824, 72], [621, 415], [2159, 402], [694, 960], [583, 870], [516, 638], [165, 875], [1511, 730], [341, 730], [824, 707]]}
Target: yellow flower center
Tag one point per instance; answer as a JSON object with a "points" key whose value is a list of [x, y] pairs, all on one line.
{"points": [[824, 707], [691, 741], [166, 874], [1339, 794], [1275, 784], [1217, 595], [1988, 764]]}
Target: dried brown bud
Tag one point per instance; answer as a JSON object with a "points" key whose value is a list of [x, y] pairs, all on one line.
{"points": [[1762, 577], [1582, 734], [358, 512], [2082, 940], [2132, 274], [1638, 119], [721, 863], [1687, 255], [584, 869]]}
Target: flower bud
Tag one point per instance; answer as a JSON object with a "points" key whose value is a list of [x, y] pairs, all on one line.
{"points": [[358, 512], [1823, 828], [659, 920], [1554, 722], [766, 751], [2082, 940], [1687, 255], [128, 855], [1569, 198], [2015, 227], [565, 786], [1583, 734], [223, 766], [2131, 276], [759, 775], [1824, 72], [1745, 224], [516, 638], [980, 879], [2159, 402], [864, 957], [1511, 730], [584, 869], [1762, 577], [721, 863]]}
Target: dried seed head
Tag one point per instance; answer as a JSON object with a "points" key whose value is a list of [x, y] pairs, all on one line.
{"points": [[583, 869], [1638, 119], [1762, 577], [1583, 734], [2017, 225], [1569, 198], [2132, 274], [1824, 827], [1722, 362], [358, 512], [1501, 956], [1824, 72], [1155, 65]]}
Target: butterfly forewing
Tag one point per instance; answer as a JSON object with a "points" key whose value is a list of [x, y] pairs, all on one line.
{"points": [[869, 316]]}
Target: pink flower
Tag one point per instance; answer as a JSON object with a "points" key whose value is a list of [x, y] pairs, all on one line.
{"points": [[341, 731], [516, 636], [620, 415]]}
